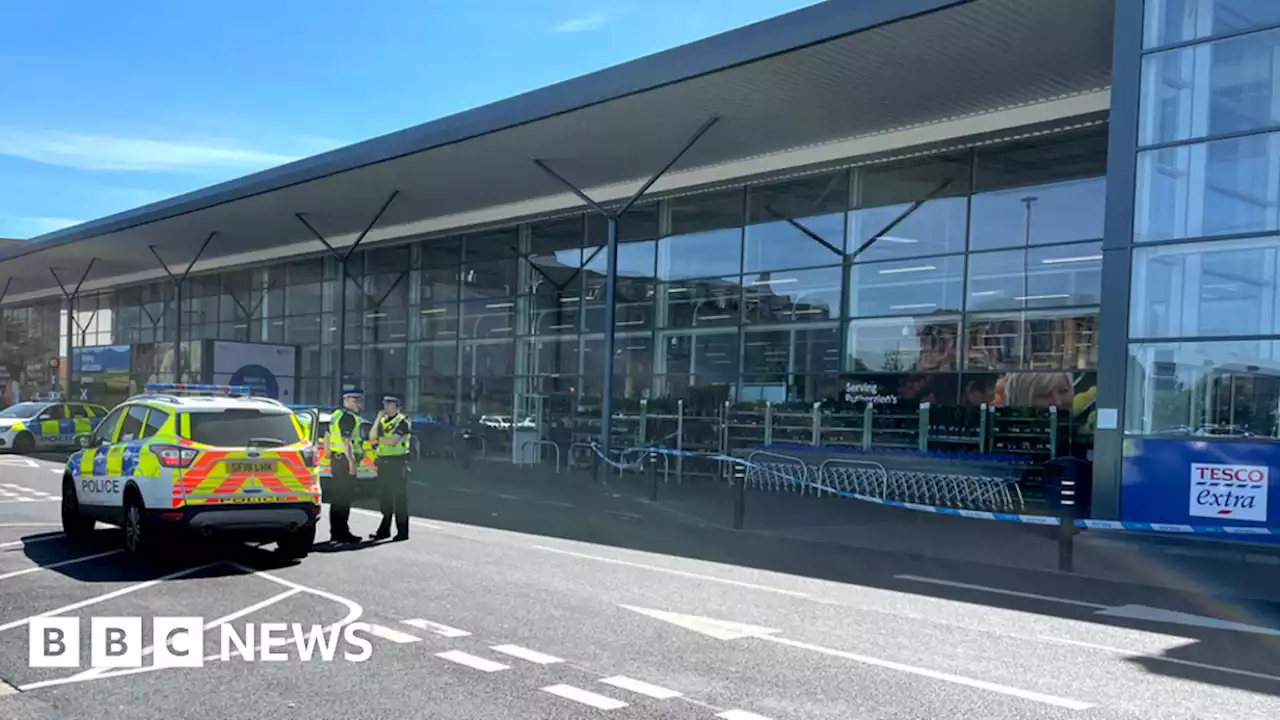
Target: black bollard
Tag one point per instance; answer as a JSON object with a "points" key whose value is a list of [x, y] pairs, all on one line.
{"points": [[739, 480], [653, 477]]}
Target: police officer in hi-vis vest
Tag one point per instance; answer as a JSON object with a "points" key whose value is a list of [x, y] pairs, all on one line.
{"points": [[345, 448], [390, 437]]}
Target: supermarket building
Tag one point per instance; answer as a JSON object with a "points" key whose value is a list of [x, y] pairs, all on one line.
{"points": [[1024, 203]]}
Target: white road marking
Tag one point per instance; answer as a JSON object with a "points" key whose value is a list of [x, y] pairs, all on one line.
{"points": [[40, 493], [27, 499], [740, 715], [108, 596], [1173, 617], [1000, 591], [506, 496], [532, 656], [586, 697], [1161, 658], [557, 503], [55, 470], [671, 571], [437, 628], [60, 563], [1031, 695], [7, 689], [471, 661], [394, 636], [17, 525], [412, 521], [43, 538], [12, 485], [641, 687], [94, 673]]}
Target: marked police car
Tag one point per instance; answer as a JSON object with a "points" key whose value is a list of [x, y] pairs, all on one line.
{"points": [[208, 459], [366, 469], [29, 426]]}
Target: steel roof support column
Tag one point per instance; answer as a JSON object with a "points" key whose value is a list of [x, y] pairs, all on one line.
{"points": [[178, 282], [342, 258], [71, 296], [611, 281]]}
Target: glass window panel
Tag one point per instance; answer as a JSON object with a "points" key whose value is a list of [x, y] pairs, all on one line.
{"points": [[437, 396], [1204, 389], [701, 303], [794, 295], [1175, 21], [492, 395], [919, 344], [489, 359], [488, 318], [712, 358], [910, 287], [638, 223], [549, 356], [703, 254], [705, 212], [311, 360], [1060, 276], [304, 298], [1038, 215], [635, 259], [1219, 88], [438, 322], [494, 279], [441, 268], [435, 359], [632, 360], [937, 226], [552, 313], [792, 223], [1222, 287], [770, 356], [1040, 340], [386, 362], [386, 261], [485, 247], [1217, 188], [550, 236]]}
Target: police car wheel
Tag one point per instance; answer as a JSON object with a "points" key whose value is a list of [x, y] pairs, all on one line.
{"points": [[74, 525], [24, 443], [135, 535]]}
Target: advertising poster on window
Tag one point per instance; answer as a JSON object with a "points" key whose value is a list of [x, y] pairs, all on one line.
{"points": [[100, 375], [267, 369]]}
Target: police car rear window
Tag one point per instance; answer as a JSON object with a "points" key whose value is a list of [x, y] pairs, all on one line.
{"points": [[242, 427]]}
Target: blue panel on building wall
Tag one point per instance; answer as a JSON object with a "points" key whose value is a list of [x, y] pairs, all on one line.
{"points": [[1202, 483]]}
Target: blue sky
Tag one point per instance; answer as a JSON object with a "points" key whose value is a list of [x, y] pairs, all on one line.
{"points": [[108, 106]]}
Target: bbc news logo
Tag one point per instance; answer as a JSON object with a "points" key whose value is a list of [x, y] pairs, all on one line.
{"points": [[179, 642]]}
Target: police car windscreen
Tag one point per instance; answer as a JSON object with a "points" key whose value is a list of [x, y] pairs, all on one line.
{"points": [[22, 410], [240, 428]]}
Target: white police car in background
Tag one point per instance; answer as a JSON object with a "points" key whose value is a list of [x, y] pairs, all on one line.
{"points": [[29, 426]]}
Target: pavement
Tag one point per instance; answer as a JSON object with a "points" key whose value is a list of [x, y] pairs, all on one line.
{"points": [[529, 594]]}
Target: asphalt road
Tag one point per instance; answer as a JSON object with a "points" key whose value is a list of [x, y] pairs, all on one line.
{"points": [[531, 601]]}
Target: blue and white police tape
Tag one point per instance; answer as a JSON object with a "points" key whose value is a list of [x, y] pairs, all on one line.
{"points": [[1049, 520]]}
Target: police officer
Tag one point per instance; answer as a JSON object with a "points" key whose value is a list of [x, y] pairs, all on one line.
{"points": [[390, 437], [345, 450]]}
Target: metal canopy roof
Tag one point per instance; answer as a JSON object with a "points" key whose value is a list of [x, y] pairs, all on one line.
{"points": [[843, 78]]}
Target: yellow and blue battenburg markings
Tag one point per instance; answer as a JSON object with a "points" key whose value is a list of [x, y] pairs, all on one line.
{"points": [[127, 460], [63, 427]]}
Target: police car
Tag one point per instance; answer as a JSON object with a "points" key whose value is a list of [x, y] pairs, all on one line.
{"points": [[29, 426], [209, 459]]}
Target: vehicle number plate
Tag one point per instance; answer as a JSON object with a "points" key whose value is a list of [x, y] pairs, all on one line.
{"points": [[251, 468]]}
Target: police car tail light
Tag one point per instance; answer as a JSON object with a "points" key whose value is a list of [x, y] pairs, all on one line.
{"points": [[172, 456]]}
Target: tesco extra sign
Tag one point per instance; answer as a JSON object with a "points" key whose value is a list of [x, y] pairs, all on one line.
{"points": [[1229, 492]]}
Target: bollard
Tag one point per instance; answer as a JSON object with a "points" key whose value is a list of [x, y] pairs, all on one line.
{"points": [[1067, 528], [739, 480], [653, 477]]}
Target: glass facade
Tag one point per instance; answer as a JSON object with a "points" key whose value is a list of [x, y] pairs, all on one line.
{"points": [[935, 279], [1204, 316]]}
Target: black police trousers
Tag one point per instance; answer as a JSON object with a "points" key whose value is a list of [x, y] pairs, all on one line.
{"points": [[343, 485], [393, 494]]}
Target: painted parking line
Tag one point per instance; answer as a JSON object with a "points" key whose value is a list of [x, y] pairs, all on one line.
{"points": [[740, 715], [672, 571], [395, 636], [641, 687], [532, 656], [472, 661], [586, 697], [60, 563], [28, 541], [108, 596], [437, 628]]}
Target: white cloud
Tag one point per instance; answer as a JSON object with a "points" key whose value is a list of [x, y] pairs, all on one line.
{"points": [[585, 23], [29, 227], [108, 152]]}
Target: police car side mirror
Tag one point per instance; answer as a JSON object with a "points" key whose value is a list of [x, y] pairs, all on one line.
{"points": [[45, 416], [84, 440]]}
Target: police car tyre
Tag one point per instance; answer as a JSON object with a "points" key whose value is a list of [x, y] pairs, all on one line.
{"points": [[137, 536], [297, 544], [24, 443], [74, 525]]}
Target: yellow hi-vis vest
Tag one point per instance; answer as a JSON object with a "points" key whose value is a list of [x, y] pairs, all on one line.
{"points": [[388, 425], [335, 443]]}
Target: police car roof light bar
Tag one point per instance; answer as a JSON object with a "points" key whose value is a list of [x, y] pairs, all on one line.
{"points": [[196, 389]]}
